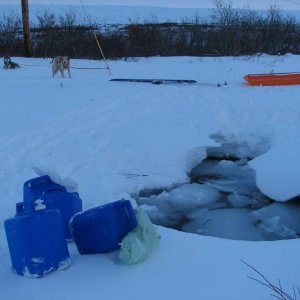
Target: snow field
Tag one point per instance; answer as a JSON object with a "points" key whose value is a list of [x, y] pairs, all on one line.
{"points": [[90, 130]]}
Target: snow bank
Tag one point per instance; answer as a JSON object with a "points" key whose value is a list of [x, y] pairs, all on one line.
{"points": [[278, 170], [183, 266]]}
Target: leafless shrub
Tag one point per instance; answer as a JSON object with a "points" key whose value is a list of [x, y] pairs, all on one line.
{"points": [[227, 32], [276, 290]]}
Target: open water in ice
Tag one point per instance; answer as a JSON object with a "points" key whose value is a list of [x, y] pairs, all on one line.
{"points": [[222, 200]]}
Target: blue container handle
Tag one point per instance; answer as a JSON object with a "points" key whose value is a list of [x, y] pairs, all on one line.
{"points": [[129, 212], [24, 207], [38, 180], [54, 190]]}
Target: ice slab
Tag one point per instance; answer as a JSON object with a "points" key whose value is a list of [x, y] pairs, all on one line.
{"points": [[288, 213], [171, 206], [184, 197], [229, 223], [273, 226]]}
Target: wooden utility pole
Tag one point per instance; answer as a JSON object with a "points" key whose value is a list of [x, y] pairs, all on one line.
{"points": [[26, 28]]}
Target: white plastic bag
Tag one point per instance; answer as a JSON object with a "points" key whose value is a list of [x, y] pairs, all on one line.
{"points": [[138, 244]]}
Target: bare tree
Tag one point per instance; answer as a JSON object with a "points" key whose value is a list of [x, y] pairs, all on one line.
{"points": [[10, 34]]}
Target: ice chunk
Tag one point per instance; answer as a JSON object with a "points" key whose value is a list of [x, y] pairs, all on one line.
{"points": [[279, 230], [289, 214], [173, 206], [184, 198], [236, 147], [214, 169], [229, 223], [255, 200], [158, 217], [237, 200]]}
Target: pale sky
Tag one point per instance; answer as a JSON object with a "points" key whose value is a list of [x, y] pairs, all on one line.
{"points": [[260, 4]]}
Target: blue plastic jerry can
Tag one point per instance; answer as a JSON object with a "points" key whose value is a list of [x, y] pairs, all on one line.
{"points": [[36, 240], [35, 187], [101, 229], [68, 203], [55, 196]]}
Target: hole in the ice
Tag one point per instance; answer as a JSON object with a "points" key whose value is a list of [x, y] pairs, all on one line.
{"points": [[222, 199]]}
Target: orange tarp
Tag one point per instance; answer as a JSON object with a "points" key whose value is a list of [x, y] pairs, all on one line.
{"points": [[273, 79]]}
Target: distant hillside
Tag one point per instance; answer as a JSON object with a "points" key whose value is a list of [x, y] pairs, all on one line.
{"points": [[110, 14], [116, 14]]}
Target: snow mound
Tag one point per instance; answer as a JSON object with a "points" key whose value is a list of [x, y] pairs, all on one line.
{"points": [[278, 170]]}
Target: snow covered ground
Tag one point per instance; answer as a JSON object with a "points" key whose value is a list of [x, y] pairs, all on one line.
{"points": [[91, 130]]}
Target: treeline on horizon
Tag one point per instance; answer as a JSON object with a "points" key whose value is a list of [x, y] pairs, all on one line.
{"points": [[228, 32]]}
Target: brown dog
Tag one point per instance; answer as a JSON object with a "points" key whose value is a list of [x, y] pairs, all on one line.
{"points": [[61, 63]]}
